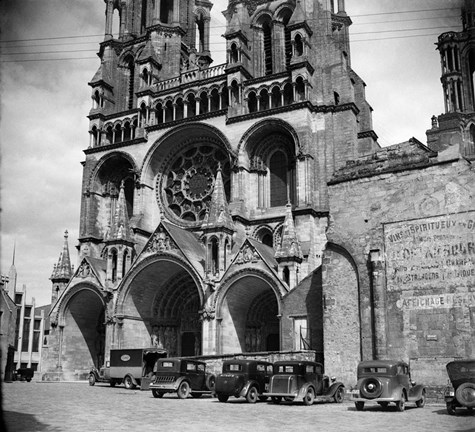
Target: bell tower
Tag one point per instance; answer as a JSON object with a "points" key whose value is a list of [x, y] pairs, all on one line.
{"points": [[456, 127]]}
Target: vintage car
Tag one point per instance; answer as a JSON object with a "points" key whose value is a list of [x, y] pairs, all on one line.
{"points": [[303, 381], [386, 381], [133, 367], [461, 390], [24, 374], [243, 378], [182, 376]]}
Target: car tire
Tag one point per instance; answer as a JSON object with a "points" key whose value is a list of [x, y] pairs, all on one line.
{"points": [[277, 399], [157, 394], [309, 397], [183, 390], [422, 401], [451, 408], [371, 388], [222, 397], [339, 395], [129, 383], [465, 394], [92, 379], [401, 403], [359, 406], [252, 395], [210, 382]]}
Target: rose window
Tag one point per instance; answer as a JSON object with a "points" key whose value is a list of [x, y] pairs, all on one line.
{"points": [[189, 182]]}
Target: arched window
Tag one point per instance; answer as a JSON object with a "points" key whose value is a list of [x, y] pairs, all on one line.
{"points": [[166, 11], [234, 93], [96, 137], [224, 97], [288, 94], [96, 100], [298, 45], [278, 167], [200, 33], [214, 100], [159, 113], [127, 133], [264, 100], [143, 115], [214, 256], [203, 102], [267, 40], [109, 134], [130, 75], [169, 111], [299, 89], [145, 77], [113, 265], [124, 262], [233, 55], [276, 98], [179, 109], [117, 133], [129, 188], [191, 102], [252, 102], [268, 240], [286, 275]]}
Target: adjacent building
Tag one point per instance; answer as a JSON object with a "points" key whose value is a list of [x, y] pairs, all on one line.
{"points": [[248, 207]]}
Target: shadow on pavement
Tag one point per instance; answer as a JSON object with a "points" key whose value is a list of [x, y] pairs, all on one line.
{"points": [[21, 422]]}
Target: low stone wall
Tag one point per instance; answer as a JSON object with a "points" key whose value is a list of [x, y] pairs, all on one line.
{"points": [[214, 363]]}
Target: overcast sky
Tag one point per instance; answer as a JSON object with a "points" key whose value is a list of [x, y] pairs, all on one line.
{"points": [[45, 100]]}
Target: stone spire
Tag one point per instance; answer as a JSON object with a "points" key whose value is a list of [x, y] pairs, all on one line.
{"points": [[12, 274], [218, 215], [62, 270], [289, 248], [120, 229]]}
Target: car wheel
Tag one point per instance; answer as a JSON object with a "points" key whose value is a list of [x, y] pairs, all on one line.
{"points": [[252, 394], [210, 382], [92, 379], [401, 403], [263, 398], [157, 394], [422, 401], [276, 399], [371, 388], [196, 395], [309, 397], [383, 405], [222, 397], [338, 397], [183, 390], [451, 408], [359, 406], [128, 383], [465, 394]]}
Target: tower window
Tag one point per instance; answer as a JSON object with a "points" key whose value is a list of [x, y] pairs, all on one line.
{"points": [[234, 54], [278, 179], [298, 45], [267, 33]]}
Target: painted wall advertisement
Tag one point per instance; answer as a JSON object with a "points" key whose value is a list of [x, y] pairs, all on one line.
{"points": [[436, 255]]}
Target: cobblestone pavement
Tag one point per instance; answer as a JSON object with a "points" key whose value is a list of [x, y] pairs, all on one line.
{"points": [[72, 407]]}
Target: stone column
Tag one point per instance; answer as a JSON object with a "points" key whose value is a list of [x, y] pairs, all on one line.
{"points": [[109, 16], [379, 304]]}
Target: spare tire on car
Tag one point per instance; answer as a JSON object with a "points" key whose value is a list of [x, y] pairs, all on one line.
{"points": [[465, 394], [371, 388]]}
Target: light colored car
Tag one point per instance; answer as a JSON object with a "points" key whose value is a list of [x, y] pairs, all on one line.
{"points": [[385, 382]]}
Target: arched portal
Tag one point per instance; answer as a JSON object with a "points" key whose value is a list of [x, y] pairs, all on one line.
{"points": [[83, 334], [248, 316], [161, 307]]}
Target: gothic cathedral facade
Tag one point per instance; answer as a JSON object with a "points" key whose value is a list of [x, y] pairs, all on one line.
{"points": [[248, 207]]}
